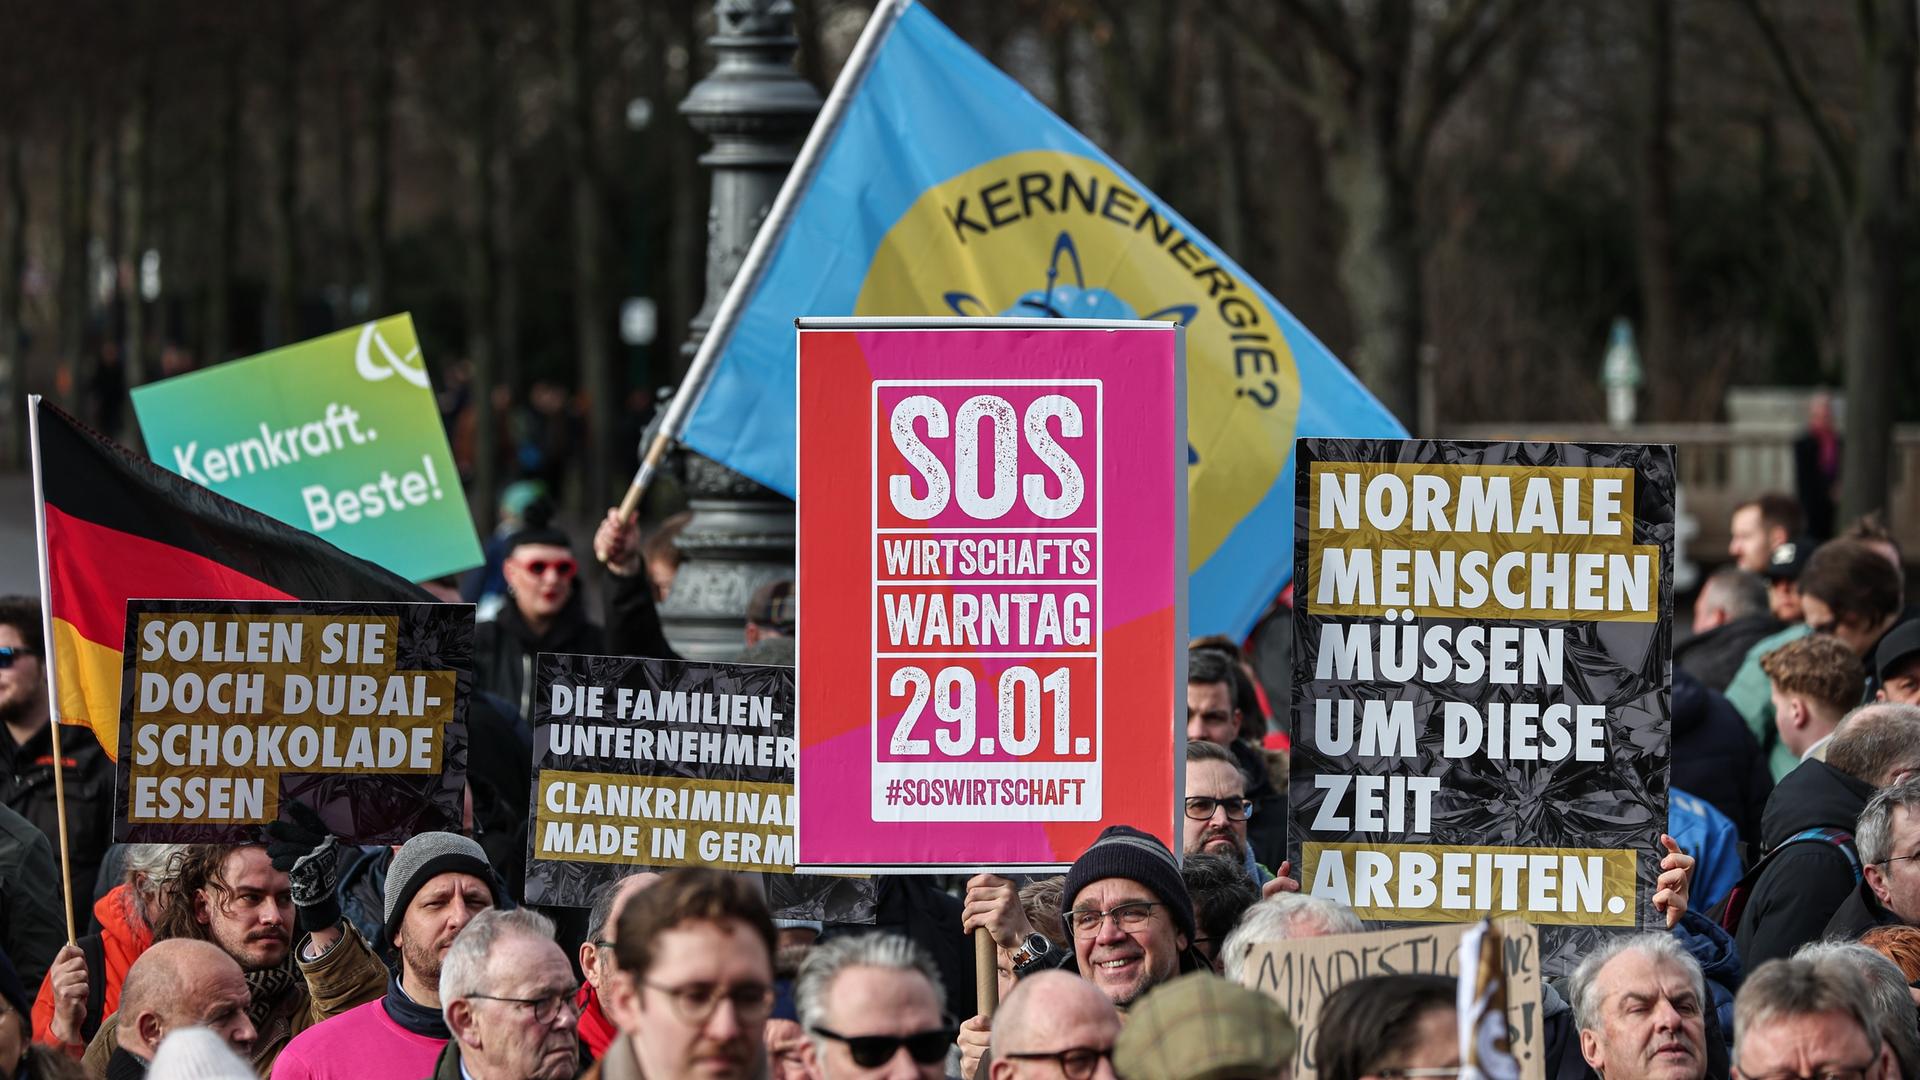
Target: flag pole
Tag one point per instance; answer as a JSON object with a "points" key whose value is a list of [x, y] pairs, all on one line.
{"points": [[47, 666], [700, 372]]}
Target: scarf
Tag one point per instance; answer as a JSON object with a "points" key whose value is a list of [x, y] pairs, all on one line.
{"points": [[595, 1028], [268, 985], [412, 1015]]}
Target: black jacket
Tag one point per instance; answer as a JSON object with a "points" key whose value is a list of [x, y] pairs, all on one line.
{"points": [[1715, 758], [504, 647], [1267, 829], [26, 788], [1804, 885], [1861, 913], [1714, 657]]}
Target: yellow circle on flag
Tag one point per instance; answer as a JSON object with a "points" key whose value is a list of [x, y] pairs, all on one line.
{"points": [[1047, 234]]}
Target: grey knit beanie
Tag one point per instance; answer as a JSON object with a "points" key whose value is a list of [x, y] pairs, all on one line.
{"points": [[424, 858], [1125, 852]]}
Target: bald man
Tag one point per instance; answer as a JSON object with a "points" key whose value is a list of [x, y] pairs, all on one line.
{"points": [[1053, 1022], [180, 982]]}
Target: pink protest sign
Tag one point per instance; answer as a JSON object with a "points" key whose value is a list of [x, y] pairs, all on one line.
{"points": [[992, 589]]}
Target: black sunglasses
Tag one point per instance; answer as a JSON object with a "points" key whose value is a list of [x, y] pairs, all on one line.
{"points": [[10, 653], [873, 1051]]}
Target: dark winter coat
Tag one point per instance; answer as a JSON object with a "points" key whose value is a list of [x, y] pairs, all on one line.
{"points": [[1716, 759], [26, 788], [1861, 913], [1714, 656], [1799, 891]]}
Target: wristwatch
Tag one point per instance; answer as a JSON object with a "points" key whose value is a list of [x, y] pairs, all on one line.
{"points": [[1033, 955]]}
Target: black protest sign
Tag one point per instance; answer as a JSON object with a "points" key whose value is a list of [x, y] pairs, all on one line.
{"points": [[656, 764], [230, 709], [1481, 708], [1301, 972]]}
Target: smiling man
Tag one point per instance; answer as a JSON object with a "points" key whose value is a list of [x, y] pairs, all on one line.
{"points": [[1638, 1004], [1129, 915]]}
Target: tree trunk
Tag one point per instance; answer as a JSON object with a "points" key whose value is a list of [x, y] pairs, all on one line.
{"points": [[222, 219], [1659, 295], [1379, 267], [13, 271], [76, 221], [477, 163], [284, 210], [139, 197], [1871, 276], [376, 222], [589, 235]]}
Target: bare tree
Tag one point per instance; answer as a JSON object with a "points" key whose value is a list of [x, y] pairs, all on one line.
{"points": [[1865, 161], [1378, 80], [590, 317], [1653, 211]]}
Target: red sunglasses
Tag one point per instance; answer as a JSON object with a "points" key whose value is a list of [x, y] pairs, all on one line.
{"points": [[566, 568]]}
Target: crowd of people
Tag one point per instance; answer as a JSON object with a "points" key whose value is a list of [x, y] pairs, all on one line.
{"points": [[1789, 887]]}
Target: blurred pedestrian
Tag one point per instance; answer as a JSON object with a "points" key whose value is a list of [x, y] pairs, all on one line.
{"points": [[1760, 525], [872, 1006], [1389, 1025], [1202, 1027], [1729, 616], [1799, 1018], [1285, 917], [1816, 466], [1054, 1025]]}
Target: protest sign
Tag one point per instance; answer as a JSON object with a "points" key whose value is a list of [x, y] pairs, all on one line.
{"points": [[339, 436], [229, 709], [992, 621], [1481, 683], [1301, 972]]}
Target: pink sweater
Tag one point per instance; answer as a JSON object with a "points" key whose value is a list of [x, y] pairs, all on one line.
{"points": [[360, 1044]]}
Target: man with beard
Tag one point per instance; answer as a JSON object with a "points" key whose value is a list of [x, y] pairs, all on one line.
{"points": [[26, 755], [509, 1002], [1217, 808], [235, 898], [436, 885], [1639, 1003], [695, 983]]}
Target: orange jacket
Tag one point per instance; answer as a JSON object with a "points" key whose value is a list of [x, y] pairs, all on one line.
{"points": [[123, 937]]}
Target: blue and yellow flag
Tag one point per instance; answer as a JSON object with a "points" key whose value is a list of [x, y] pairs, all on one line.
{"points": [[944, 188]]}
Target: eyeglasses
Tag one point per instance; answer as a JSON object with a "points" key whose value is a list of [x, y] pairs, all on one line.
{"points": [[1077, 1062], [1201, 808], [565, 568], [545, 1009], [1434, 1071], [11, 653], [1128, 916], [1899, 858], [873, 1051], [1824, 1072], [696, 1002]]}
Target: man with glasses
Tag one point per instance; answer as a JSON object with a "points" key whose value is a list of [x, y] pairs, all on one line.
{"points": [[1054, 1026], [508, 996], [695, 983], [1217, 808], [597, 1030], [1801, 1020], [437, 884], [1129, 915], [1888, 839], [26, 755], [873, 1006]]}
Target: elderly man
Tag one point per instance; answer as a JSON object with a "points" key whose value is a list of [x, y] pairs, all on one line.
{"points": [[1202, 1027], [1640, 1005], [175, 984], [1888, 839], [695, 981], [1802, 1018], [873, 1006], [1054, 1024], [1811, 863], [1887, 991], [597, 1030], [1282, 918], [436, 885], [509, 998], [1730, 615]]}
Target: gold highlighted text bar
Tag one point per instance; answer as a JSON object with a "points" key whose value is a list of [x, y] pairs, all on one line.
{"points": [[1434, 883]]}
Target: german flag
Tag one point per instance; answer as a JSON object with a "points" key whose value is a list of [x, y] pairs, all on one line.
{"points": [[116, 527]]}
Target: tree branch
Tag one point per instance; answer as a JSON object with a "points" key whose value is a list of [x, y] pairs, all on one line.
{"points": [[1458, 55], [1327, 29], [1831, 147]]}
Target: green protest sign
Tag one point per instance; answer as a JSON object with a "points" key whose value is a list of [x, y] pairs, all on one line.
{"points": [[339, 436]]}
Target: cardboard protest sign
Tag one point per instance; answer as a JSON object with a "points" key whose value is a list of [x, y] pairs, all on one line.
{"points": [[1481, 704], [229, 709], [1301, 973], [339, 436], [992, 588]]}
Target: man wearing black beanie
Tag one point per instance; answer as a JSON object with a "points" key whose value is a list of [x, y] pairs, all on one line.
{"points": [[1128, 913]]}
